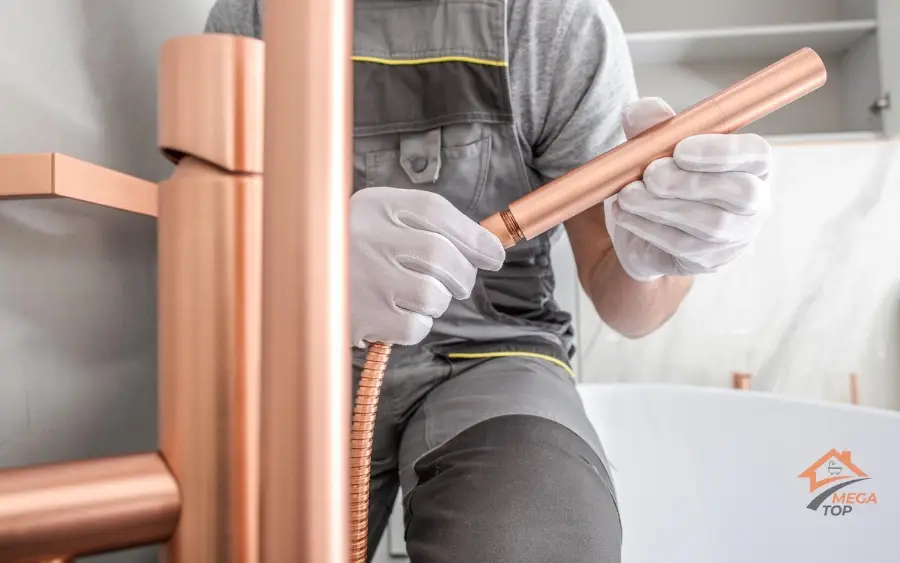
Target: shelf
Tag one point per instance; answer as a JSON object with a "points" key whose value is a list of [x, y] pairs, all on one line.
{"points": [[52, 174], [759, 42]]}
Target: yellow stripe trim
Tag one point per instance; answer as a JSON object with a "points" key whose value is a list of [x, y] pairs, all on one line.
{"points": [[551, 359], [403, 62]]}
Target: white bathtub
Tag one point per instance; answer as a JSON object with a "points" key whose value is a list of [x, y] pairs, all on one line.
{"points": [[713, 476]]}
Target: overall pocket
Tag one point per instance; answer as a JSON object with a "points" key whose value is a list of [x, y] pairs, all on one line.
{"points": [[436, 162]]}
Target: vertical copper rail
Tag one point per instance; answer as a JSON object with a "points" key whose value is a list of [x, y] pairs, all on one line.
{"points": [[362, 437], [854, 388], [306, 338], [86, 507], [210, 284]]}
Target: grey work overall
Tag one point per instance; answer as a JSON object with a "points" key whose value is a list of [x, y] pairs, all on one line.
{"points": [[480, 424]]}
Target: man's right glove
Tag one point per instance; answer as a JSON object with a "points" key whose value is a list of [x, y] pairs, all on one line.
{"points": [[411, 252]]}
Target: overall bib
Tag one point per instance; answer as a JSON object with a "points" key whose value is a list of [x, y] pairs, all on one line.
{"points": [[491, 385], [432, 111]]}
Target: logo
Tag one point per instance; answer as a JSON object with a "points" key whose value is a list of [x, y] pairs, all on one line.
{"points": [[828, 476]]}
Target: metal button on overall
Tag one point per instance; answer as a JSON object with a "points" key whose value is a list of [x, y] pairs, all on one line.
{"points": [[420, 156], [419, 164], [458, 170]]}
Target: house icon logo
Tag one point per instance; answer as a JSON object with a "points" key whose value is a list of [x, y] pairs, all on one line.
{"points": [[828, 476]]}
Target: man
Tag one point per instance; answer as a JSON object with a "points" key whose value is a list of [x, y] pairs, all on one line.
{"points": [[461, 107]]}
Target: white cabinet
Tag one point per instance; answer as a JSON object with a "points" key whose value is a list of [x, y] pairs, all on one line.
{"points": [[687, 50]]}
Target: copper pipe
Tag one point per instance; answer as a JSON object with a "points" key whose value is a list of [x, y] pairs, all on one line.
{"points": [[362, 435], [741, 381], [727, 111], [86, 507], [854, 388], [306, 337], [210, 100], [554, 203], [210, 283], [209, 231]]}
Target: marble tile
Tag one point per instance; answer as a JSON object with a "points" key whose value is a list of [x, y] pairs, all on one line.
{"points": [[817, 297]]}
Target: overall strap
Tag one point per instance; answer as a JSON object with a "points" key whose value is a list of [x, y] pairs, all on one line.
{"points": [[420, 65]]}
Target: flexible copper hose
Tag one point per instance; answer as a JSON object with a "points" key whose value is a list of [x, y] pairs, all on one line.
{"points": [[734, 107], [362, 435], [362, 429]]}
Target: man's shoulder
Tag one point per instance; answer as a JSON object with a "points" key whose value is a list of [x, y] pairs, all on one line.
{"points": [[550, 38], [546, 32], [238, 17], [570, 71], [555, 16]]}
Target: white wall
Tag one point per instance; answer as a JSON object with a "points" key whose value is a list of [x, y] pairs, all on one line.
{"points": [[77, 283]]}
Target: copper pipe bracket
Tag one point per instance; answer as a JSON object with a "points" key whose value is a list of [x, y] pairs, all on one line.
{"points": [[58, 175], [86, 507]]}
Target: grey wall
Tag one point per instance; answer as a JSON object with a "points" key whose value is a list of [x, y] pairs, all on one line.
{"points": [[77, 283]]}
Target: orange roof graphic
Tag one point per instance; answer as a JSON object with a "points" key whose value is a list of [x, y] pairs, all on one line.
{"points": [[843, 457]]}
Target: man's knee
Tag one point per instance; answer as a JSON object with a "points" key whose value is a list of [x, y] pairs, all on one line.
{"points": [[517, 489]]}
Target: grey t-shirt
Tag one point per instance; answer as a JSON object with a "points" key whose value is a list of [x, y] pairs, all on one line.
{"points": [[570, 72]]}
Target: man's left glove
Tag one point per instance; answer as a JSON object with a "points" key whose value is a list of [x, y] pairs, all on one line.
{"points": [[694, 212]]}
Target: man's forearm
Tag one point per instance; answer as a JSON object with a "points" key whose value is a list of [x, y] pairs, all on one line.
{"points": [[630, 307]]}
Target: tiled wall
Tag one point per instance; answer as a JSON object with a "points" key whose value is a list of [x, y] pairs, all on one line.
{"points": [[816, 299]]}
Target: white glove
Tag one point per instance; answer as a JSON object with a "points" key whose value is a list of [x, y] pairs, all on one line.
{"points": [[694, 212], [411, 252]]}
